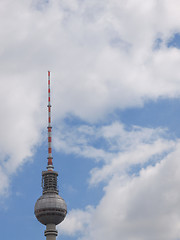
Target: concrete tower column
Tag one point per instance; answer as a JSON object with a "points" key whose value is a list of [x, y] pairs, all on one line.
{"points": [[51, 232]]}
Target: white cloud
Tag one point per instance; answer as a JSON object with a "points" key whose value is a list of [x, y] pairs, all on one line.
{"points": [[77, 221], [136, 206], [111, 62], [119, 149], [132, 158], [141, 177], [4, 183], [101, 53], [79, 140], [20, 124], [141, 207]]}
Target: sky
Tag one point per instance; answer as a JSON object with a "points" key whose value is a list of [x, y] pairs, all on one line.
{"points": [[115, 72]]}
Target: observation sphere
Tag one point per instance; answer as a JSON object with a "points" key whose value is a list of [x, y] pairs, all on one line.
{"points": [[50, 208]]}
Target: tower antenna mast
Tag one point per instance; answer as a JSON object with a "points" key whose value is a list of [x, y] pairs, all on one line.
{"points": [[50, 164]]}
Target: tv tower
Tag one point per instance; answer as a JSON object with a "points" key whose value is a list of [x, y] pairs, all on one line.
{"points": [[50, 209]]}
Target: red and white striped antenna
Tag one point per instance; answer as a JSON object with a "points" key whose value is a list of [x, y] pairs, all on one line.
{"points": [[50, 164]]}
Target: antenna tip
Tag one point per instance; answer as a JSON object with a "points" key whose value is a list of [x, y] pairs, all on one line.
{"points": [[48, 73]]}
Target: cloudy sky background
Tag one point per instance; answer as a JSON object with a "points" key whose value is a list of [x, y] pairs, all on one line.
{"points": [[115, 70]]}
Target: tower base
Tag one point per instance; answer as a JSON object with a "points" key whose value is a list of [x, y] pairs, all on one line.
{"points": [[51, 232]]}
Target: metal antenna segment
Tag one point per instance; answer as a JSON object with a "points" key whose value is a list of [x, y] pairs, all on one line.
{"points": [[50, 164]]}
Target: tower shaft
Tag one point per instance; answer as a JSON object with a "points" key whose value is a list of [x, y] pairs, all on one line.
{"points": [[50, 232]]}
